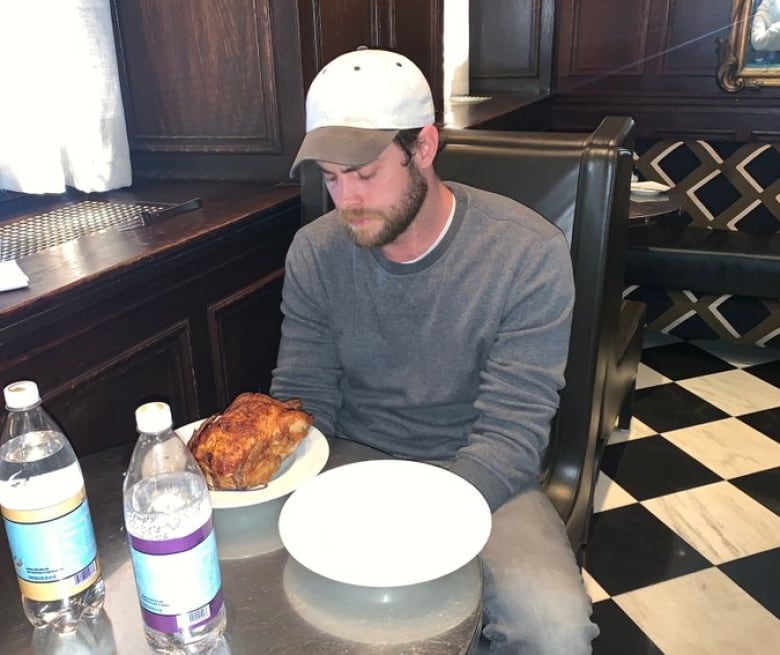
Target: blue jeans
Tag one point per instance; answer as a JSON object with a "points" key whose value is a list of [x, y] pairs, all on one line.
{"points": [[534, 598]]}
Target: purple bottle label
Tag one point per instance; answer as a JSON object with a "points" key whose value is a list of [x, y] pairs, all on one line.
{"points": [[178, 580]]}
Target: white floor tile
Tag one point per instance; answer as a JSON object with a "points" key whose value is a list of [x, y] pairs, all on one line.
{"points": [[703, 613], [706, 613], [719, 521], [729, 447], [736, 392], [594, 589], [609, 494], [638, 430], [647, 377]]}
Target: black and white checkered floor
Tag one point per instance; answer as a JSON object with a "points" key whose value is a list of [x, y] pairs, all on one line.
{"points": [[684, 553]]}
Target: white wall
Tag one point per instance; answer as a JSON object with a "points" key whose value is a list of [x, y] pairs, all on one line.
{"points": [[456, 48]]}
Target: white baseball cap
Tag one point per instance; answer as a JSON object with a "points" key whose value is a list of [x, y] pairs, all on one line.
{"points": [[357, 104]]}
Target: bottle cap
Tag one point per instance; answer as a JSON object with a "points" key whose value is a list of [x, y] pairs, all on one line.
{"points": [[153, 417], [21, 395]]}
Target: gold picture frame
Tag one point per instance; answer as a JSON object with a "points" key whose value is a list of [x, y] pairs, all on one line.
{"points": [[750, 58]]}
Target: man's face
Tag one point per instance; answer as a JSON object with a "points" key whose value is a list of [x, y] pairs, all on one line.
{"points": [[377, 202]]}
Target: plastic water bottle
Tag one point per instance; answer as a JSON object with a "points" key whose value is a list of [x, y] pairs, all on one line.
{"points": [[171, 537], [46, 515]]}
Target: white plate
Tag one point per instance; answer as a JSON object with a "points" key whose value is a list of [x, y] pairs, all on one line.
{"points": [[649, 188], [304, 463], [385, 523]]}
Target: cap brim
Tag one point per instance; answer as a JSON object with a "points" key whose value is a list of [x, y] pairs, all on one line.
{"points": [[347, 146]]}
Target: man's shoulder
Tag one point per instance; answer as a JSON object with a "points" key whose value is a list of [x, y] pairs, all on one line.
{"points": [[502, 211]]}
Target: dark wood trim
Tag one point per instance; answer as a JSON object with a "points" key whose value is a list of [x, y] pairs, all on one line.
{"points": [[215, 313]]}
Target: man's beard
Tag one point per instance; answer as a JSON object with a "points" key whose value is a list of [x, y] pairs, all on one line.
{"points": [[394, 220]]}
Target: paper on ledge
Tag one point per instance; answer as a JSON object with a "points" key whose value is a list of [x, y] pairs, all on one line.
{"points": [[11, 276]]}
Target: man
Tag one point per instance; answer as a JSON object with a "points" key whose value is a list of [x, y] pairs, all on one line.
{"points": [[431, 320], [765, 32]]}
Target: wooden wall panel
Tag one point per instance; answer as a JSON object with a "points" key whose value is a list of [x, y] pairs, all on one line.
{"points": [[690, 43], [502, 31], [329, 28], [510, 48], [608, 37], [408, 22], [109, 394], [212, 89], [245, 330], [654, 60], [199, 75]]}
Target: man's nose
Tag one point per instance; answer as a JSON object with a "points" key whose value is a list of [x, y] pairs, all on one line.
{"points": [[346, 195]]}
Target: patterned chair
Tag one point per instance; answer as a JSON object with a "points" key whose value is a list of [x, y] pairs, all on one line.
{"points": [[714, 271]]}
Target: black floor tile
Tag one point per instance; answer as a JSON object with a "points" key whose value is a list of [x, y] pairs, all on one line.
{"points": [[768, 372], [759, 575], [678, 361], [619, 634], [667, 407], [630, 548], [764, 487], [653, 466], [766, 421]]}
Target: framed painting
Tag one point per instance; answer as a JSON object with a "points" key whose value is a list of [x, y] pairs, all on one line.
{"points": [[750, 58]]}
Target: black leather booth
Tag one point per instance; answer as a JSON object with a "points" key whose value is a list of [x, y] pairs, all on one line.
{"points": [[581, 183], [714, 261]]}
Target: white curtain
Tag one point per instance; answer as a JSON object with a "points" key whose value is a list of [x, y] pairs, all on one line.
{"points": [[61, 116]]}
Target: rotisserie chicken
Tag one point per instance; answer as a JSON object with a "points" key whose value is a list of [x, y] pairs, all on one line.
{"points": [[244, 446]]}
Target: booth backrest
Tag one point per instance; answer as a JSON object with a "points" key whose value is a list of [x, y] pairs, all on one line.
{"points": [[581, 183]]}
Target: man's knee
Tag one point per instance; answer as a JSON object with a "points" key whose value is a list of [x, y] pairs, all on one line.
{"points": [[551, 619], [535, 600]]}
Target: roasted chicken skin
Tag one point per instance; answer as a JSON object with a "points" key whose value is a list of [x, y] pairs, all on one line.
{"points": [[245, 445]]}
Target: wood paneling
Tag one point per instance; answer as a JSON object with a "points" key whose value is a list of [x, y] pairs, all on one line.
{"points": [[624, 24], [332, 27], [690, 32], [212, 88], [510, 46], [654, 60], [108, 395], [416, 30], [199, 75], [329, 28], [244, 331]]}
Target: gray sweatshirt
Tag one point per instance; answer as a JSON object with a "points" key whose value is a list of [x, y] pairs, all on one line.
{"points": [[456, 358]]}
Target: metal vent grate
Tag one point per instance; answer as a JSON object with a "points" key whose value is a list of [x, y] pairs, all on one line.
{"points": [[77, 219]]}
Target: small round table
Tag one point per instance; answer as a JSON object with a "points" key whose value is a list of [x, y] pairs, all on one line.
{"points": [[652, 209]]}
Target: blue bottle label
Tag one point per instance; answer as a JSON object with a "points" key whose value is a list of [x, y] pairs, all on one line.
{"points": [[178, 580], [53, 549]]}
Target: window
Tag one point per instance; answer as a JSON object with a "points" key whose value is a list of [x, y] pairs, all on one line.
{"points": [[61, 118]]}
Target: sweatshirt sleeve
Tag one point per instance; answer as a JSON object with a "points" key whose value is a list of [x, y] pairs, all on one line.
{"points": [[523, 372], [307, 365]]}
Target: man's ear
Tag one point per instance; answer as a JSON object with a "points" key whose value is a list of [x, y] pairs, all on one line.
{"points": [[427, 146]]}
